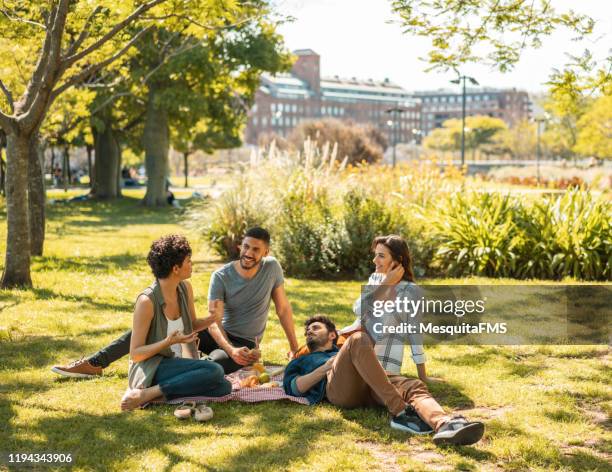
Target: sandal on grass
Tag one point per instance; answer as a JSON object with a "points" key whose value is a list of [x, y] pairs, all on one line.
{"points": [[184, 410], [202, 412]]}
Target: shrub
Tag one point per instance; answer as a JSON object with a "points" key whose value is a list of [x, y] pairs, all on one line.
{"points": [[357, 143], [568, 236], [364, 219], [309, 238], [475, 235], [224, 222]]}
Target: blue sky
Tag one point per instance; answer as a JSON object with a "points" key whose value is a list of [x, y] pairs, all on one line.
{"points": [[355, 40]]}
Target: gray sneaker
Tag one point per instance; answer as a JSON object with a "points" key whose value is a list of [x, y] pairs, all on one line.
{"points": [[410, 422], [459, 431]]}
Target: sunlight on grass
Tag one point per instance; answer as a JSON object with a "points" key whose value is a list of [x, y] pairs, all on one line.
{"points": [[546, 407]]}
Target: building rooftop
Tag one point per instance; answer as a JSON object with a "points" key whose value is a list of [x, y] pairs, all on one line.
{"points": [[457, 91], [304, 52]]}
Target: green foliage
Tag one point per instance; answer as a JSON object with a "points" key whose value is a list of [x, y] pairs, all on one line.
{"points": [[364, 218], [502, 236], [480, 130], [224, 221], [595, 129], [323, 220], [309, 236], [475, 234], [484, 30], [568, 236]]}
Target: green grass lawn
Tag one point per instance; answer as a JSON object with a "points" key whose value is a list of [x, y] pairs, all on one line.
{"points": [[546, 408]]}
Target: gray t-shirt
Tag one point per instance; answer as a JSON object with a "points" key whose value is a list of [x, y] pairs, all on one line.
{"points": [[246, 302]]}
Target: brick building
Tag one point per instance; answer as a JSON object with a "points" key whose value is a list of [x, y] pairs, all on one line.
{"points": [[438, 106], [284, 100]]}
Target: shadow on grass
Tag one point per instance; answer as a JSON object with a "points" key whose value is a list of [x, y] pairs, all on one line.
{"points": [[36, 352], [46, 294], [119, 212], [88, 264], [104, 442]]}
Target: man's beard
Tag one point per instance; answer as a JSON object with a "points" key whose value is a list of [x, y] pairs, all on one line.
{"points": [[245, 266], [313, 344]]}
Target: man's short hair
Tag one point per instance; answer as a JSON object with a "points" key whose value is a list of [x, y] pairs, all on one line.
{"points": [[166, 252], [329, 324], [258, 233]]}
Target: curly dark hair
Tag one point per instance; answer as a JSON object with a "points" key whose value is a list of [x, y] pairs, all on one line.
{"points": [[329, 324], [166, 252]]}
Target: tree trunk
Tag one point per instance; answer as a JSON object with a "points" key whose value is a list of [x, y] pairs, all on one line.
{"points": [[36, 190], [53, 161], [2, 174], [89, 150], [17, 264], [66, 168], [156, 144], [186, 168], [107, 163]]}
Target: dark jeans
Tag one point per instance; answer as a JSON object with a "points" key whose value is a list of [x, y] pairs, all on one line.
{"points": [[178, 378], [209, 346], [121, 347]]}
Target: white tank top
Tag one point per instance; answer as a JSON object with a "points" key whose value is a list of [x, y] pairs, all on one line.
{"points": [[174, 325]]}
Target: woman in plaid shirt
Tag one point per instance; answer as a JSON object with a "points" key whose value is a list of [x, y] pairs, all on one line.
{"points": [[393, 278]]}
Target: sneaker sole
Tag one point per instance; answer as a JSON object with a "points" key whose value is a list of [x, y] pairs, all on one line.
{"points": [[399, 427], [73, 374], [469, 435]]}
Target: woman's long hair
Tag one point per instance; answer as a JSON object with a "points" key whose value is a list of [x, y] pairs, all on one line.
{"points": [[399, 252]]}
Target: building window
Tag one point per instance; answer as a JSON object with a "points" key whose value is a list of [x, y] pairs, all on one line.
{"points": [[264, 121], [254, 121]]}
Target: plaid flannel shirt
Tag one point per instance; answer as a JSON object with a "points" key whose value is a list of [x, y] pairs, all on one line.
{"points": [[389, 348]]}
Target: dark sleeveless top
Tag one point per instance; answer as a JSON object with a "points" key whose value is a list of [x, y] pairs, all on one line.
{"points": [[141, 374]]}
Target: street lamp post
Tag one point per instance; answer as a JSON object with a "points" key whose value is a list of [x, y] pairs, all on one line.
{"points": [[458, 80], [393, 124], [539, 120]]}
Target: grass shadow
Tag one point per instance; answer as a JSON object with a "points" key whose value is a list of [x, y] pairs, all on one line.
{"points": [[87, 264]]}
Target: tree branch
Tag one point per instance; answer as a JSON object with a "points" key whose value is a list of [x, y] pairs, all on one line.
{"points": [[22, 20], [8, 95], [7, 123], [76, 78], [70, 60], [84, 32], [35, 81], [35, 112]]}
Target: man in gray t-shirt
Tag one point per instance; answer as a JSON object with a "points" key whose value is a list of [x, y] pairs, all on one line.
{"points": [[245, 287]]}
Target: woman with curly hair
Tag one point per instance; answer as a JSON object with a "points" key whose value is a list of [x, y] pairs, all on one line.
{"points": [[164, 360]]}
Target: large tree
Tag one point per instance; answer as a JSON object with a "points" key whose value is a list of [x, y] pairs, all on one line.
{"points": [[66, 42], [595, 130], [209, 77]]}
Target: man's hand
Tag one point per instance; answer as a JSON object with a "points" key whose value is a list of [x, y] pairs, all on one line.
{"points": [[254, 355], [291, 354], [240, 355], [178, 337]]}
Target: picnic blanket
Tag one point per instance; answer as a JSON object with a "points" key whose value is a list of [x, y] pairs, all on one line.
{"points": [[248, 395]]}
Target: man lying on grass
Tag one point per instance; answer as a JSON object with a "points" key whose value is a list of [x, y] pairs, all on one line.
{"points": [[244, 289], [353, 377]]}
